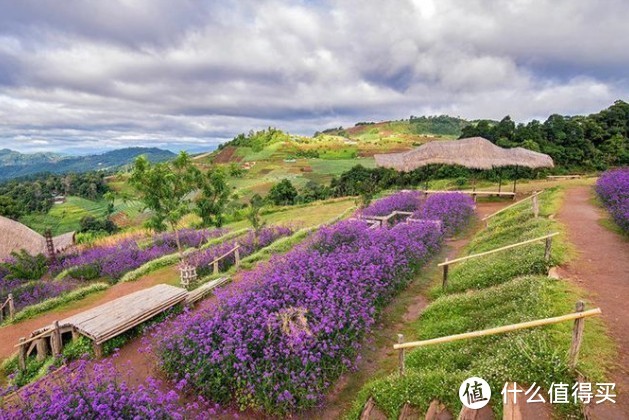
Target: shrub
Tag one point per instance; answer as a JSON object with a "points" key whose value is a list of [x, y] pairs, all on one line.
{"points": [[22, 265], [402, 201]]}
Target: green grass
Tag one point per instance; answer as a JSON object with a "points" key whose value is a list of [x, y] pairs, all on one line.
{"points": [[65, 217], [499, 289]]}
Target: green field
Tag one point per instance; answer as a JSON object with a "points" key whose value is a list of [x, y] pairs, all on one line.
{"points": [[65, 217]]}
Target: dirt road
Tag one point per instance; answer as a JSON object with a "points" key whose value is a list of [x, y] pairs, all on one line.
{"points": [[602, 268]]}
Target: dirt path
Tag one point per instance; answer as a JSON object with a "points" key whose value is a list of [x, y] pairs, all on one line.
{"points": [[11, 333], [602, 268]]}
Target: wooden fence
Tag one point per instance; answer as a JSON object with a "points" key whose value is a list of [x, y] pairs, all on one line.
{"points": [[535, 205], [577, 334], [473, 193], [235, 250], [7, 308], [547, 252]]}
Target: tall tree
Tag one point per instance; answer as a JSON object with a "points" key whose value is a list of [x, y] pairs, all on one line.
{"points": [[166, 189], [213, 197]]}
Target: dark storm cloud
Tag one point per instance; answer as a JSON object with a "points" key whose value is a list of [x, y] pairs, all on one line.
{"points": [[83, 74]]}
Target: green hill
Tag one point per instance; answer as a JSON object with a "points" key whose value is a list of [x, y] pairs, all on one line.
{"points": [[15, 164]]}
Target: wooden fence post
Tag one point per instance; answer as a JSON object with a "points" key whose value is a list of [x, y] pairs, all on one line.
{"points": [[577, 336], [42, 349], [535, 207], [547, 250], [445, 275], [75, 334], [400, 340], [237, 256], [55, 339], [21, 355], [11, 307], [98, 350], [215, 267]]}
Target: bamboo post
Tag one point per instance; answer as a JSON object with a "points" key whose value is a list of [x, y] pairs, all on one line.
{"points": [[42, 349], [548, 248], [215, 267], [499, 185], [400, 340], [445, 275], [55, 339], [75, 334], [237, 256], [535, 206], [577, 336], [11, 307], [21, 355]]}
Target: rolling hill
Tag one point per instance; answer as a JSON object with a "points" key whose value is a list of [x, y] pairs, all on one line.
{"points": [[15, 164]]}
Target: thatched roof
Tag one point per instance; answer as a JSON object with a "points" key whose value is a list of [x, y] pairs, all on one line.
{"points": [[15, 236], [473, 152]]}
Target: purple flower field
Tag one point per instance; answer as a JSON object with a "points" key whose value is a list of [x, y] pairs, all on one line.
{"points": [[248, 246], [115, 261], [453, 209], [280, 337], [402, 201], [98, 393], [613, 189]]}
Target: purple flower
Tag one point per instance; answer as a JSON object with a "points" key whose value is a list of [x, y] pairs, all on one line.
{"points": [[613, 189]]}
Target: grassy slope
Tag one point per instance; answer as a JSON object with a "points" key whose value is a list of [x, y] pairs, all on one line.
{"points": [[489, 300]]}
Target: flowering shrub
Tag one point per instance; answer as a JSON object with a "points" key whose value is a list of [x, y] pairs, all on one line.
{"points": [[114, 261], [248, 245], [277, 339], [32, 292], [402, 201], [91, 394], [613, 189], [453, 209]]}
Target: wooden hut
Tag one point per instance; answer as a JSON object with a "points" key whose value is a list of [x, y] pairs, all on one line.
{"points": [[15, 236], [473, 152]]}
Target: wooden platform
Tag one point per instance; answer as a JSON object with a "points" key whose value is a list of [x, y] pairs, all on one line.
{"points": [[203, 290], [113, 318]]}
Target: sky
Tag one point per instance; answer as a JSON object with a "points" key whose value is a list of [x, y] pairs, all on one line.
{"points": [[89, 75]]}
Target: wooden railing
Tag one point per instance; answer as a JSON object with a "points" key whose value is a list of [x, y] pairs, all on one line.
{"points": [[9, 307], [535, 204], [575, 176], [577, 334], [474, 193], [547, 252], [235, 250]]}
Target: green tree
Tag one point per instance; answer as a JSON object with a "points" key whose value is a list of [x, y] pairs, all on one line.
{"points": [[253, 215], [166, 189], [214, 196], [110, 197], [283, 193]]}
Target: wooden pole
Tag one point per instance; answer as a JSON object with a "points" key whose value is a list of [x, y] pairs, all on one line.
{"points": [[498, 330], [401, 367], [577, 336], [444, 284], [535, 206], [237, 256], [11, 307], [75, 334], [500, 183], [98, 350], [42, 349], [21, 355], [548, 249], [480, 254], [215, 267], [55, 339], [512, 205]]}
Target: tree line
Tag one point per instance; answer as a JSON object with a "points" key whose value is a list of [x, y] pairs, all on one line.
{"points": [[593, 142]]}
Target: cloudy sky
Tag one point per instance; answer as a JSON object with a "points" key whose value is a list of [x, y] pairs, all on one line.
{"points": [[81, 75]]}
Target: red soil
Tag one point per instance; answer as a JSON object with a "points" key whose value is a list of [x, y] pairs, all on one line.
{"points": [[11, 333], [227, 155], [602, 268]]}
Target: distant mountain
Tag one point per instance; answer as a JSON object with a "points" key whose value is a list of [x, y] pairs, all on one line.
{"points": [[15, 164]]}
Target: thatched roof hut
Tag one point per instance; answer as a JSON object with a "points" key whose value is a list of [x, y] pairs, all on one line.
{"points": [[15, 236], [473, 152]]}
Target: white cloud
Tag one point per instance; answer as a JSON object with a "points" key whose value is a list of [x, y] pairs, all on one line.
{"points": [[120, 73]]}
